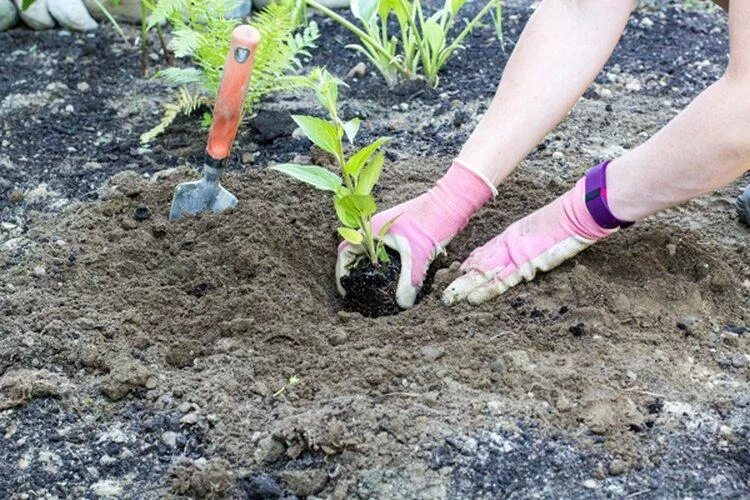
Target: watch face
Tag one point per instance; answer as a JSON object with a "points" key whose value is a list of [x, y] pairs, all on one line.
{"points": [[241, 54]]}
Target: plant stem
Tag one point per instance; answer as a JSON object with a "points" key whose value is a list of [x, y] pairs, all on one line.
{"points": [[376, 46], [168, 55], [144, 39]]}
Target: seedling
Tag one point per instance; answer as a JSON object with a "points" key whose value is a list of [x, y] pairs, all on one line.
{"points": [[424, 41], [352, 190], [293, 380]]}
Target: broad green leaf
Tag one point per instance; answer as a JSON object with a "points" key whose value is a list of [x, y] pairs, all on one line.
{"points": [[358, 159], [370, 174], [347, 215], [26, 4], [365, 10], [322, 133], [351, 235], [351, 128], [434, 35], [361, 204], [313, 175]]}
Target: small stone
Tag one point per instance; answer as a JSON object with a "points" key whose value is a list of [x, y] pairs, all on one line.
{"points": [[36, 16], [268, 451], [634, 85], [404, 106], [190, 419], [338, 337], [558, 155], [738, 360], [39, 271], [262, 487], [71, 14], [498, 366], [83, 87], [617, 467], [169, 438], [16, 196], [141, 213], [686, 323], [563, 404], [358, 71], [69, 108], [590, 484], [432, 353], [247, 158], [107, 488], [647, 23], [604, 93]]}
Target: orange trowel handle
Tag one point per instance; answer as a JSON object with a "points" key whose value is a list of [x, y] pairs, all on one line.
{"points": [[228, 108]]}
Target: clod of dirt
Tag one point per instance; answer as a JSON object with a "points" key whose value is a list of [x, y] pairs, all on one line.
{"points": [[304, 483], [269, 450], [262, 487], [18, 387], [181, 354], [124, 376], [211, 479], [269, 125], [371, 291], [128, 183]]}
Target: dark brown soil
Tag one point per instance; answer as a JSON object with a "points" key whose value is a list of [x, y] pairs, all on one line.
{"points": [[371, 290], [213, 357]]}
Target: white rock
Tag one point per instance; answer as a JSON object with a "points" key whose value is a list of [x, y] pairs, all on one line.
{"points": [[83, 87], [128, 11], [634, 85], [647, 23], [36, 16], [169, 438], [107, 488], [71, 14], [8, 15]]}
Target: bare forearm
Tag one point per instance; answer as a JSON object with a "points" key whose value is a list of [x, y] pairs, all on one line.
{"points": [[562, 49], [704, 147]]}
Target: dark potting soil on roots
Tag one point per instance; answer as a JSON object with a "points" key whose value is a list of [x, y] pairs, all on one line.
{"points": [[371, 290]]}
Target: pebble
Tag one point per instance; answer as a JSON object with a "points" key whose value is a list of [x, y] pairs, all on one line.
{"points": [[647, 23], [262, 487], [605, 93], [247, 158], [69, 108], [634, 85], [37, 16], [558, 155], [39, 271], [169, 438], [83, 87], [338, 337], [71, 14], [590, 484], [738, 360], [107, 488], [432, 353], [404, 106]]}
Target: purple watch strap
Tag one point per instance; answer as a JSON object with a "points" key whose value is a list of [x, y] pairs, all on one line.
{"points": [[596, 198]]}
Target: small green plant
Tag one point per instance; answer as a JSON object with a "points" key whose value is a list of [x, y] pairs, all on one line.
{"points": [[202, 35], [293, 380], [421, 46], [352, 191]]}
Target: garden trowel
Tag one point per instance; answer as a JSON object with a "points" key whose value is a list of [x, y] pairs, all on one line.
{"points": [[207, 195], [743, 205]]}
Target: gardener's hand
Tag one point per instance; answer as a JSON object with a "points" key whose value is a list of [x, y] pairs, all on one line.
{"points": [[422, 228], [538, 242]]}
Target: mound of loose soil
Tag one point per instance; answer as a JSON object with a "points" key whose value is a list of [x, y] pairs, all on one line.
{"points": [[221, 311]]}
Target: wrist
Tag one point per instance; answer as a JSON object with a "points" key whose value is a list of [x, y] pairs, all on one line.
{"points": [[597, 199]]}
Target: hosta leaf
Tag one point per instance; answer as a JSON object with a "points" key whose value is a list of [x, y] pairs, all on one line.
{"points": [[434, 35], [322, 133], [365, 10], [313, 175], [351, 235]]}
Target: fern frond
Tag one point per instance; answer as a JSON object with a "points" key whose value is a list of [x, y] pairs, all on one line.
{"points": [[185, 103], [164, 9], [186, 41], [180, 76]]}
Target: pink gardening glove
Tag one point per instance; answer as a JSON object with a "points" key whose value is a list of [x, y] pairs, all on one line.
{"points": [[425, 225], [538, 242]]}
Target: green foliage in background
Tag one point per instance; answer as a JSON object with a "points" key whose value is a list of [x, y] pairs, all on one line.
{"points": [[422, 44], [360, 170], [202, 34]]}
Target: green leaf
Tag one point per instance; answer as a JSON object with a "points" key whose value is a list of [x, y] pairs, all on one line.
{"points": [[351, 128], [26, 4], [186, 42], [360, 204], [383, 256], [346, 214], [365, 10], [324, 134], [351, 235], [455, 5], [369, 175], [358, 159], [434, 35], [313, 175]]}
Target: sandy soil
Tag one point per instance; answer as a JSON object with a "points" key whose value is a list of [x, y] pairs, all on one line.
{"points": [[212, 358]]}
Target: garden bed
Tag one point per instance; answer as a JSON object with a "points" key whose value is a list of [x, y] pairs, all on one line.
{"points": [[212, 356]]}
